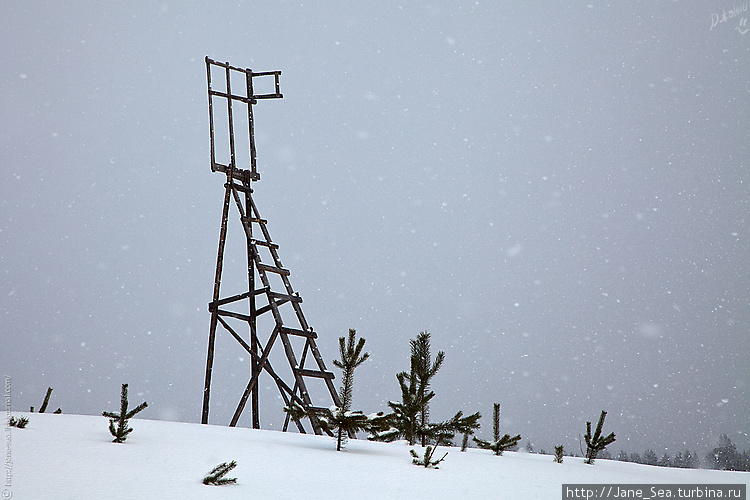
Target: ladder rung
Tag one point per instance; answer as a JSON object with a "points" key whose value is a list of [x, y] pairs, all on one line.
{"points": [[255, 220], [227, 300], [318, 409], [315, 373], [232, 314], [237, 173], [240, 187], [269, 307], [300, 333], [235, 298], [265, 309], [265, 244], [285, 297], [272, 269]]}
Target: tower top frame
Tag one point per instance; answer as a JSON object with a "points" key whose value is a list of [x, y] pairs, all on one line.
{"points": [[244, 98]]}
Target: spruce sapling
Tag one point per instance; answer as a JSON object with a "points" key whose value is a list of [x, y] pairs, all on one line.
{"points": [[19, 422], [342, 420], [410, 417], [559, 454], [427, 460], [422, 371], [596, 443], [351, 357], [121, 430], [216, 476], [405, 416], [500, 444]]}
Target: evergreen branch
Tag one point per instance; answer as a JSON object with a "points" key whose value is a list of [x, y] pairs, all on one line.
{"points": [[19, 422], [505, 443], [387, 436], [296, 411], [444, 432], [216, 476], [427, 460], [135, 410]]}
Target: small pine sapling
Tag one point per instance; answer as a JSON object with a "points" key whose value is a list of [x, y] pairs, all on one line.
{"points": [[506, 442], [216, 476], [351, 357], [121, 430], [559, 454], [405, 416], [596, 443], [500, 444], [423, 368], [340, 421], [427, 461], [410, 417], [19, 422]]}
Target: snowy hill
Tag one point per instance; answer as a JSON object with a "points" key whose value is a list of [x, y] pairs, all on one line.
{"points": [[70, 456]]}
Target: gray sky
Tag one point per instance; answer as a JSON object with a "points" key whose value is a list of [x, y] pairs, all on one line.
{"points": [[559, 194]]}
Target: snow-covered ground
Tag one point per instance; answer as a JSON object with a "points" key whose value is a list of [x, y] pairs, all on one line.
{"points": [[72, 456]]}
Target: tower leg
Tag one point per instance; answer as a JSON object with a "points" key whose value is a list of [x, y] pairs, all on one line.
{"points": [[209, 368], [254, 368], [214, 306]]}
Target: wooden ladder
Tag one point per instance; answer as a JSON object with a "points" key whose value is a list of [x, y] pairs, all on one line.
{"points": [[298, 393]]}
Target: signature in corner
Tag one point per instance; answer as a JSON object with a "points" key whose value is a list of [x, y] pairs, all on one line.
{"points": [[736, 12]]}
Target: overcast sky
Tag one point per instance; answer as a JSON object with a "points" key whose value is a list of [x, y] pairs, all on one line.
{"points": [[559, 194]]}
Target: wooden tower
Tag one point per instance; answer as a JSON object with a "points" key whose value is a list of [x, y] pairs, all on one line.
{"points": [[269, 299]]}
